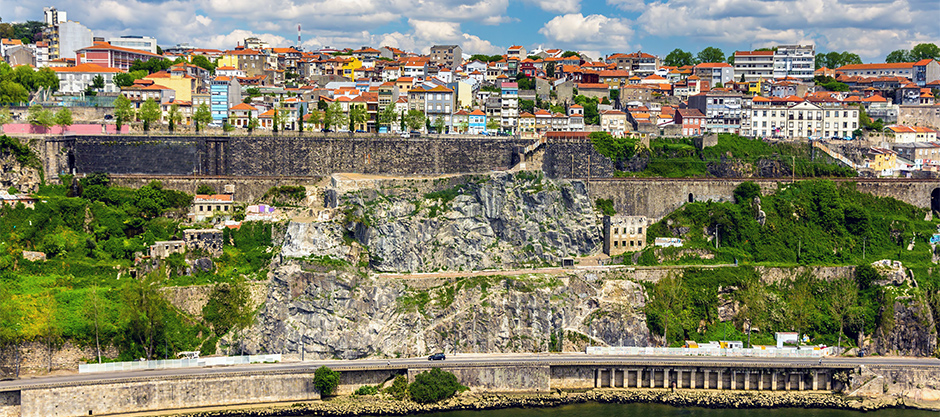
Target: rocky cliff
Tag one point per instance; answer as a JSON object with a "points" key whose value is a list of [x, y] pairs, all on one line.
{"points": [[495, 221], [14, 174], [344, 314]]}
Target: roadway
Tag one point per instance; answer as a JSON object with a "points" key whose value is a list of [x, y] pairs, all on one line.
{"points": [[458, 360]]}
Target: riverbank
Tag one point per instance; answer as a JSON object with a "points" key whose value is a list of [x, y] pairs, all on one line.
{"points": [[383, 406]]}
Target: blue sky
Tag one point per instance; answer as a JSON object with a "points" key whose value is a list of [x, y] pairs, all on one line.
{"points": [[870, 28]]}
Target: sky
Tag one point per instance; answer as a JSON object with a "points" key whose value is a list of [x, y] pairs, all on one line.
{"points": [[869, 28]]}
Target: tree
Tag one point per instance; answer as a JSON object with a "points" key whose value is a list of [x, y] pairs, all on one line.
{"points": [[63, 118], [314, 118], [710, 54], [5, 116], [11, 92], [126, 79], [205, 189], [280, 118], [334, 116], [252, 123], [388, 116], [97, 82], [843, 299], [753, 302], [325, 380], [900, 55], [202, 115], [227, 308], [550, 69], [667, 294], [145, 311], [414, 119], [300, 119], [925, 51], [567, 54], [439, 125], [39, 116], [174, 116], [357, 117], [433, 386], [492, 123], [149, 113], [123, 112], [799, 301], [526, 106], [203, 62], [679, 58]]}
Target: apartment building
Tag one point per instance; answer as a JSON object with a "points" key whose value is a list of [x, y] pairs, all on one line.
{"points": [[793, 118], [447, 56], [509, 104], [753, 65], [794, 61], [723, 110]]}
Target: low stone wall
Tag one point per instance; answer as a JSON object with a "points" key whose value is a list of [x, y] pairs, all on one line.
{"points": [[498, 378], [350, 381], [247, 190], [572, 377], [166, 393]]}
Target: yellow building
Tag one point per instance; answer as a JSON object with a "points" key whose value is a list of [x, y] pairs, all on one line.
{"points": [[753, 87], [882, 161], [183, 85], [350, 65]]}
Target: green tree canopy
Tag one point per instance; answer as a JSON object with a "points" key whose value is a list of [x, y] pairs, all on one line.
{"points": [[925, 51], [123, 112], [203, 62], [388, 116], [617, 149], [433, 386], [63, 118], [414, 119], [679, 58], [126, 79], [357, 117], [149, 112], [202, 116], [710, 54], [39, 116], [325, 380], [567, 54]]}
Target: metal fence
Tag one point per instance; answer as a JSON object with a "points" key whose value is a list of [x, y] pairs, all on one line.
{"points": [[178, 363], [769, 352]]}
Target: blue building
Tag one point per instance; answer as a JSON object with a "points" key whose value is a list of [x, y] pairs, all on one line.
{"points": [[224, 93]]}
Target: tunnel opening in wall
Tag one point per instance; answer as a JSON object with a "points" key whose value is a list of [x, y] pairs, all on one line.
{"points": [[691, 198], [935, 200]]}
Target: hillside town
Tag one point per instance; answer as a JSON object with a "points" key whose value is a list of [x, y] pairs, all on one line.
{"points": [[780, 93]]}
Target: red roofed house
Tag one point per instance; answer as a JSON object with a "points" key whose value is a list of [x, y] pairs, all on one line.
{"points": [[107, 55], [921, 72], [241, 114], [205, 206], [691, 120], [598, 90]]}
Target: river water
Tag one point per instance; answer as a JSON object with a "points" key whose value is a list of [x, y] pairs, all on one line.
{"points": [[656, 410]]}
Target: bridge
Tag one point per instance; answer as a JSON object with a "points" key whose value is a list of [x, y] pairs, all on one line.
{"points": [[124, 392]]}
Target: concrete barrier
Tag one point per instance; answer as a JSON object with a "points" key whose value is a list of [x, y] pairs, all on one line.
{"points": [[809, 352], [177, 363]]}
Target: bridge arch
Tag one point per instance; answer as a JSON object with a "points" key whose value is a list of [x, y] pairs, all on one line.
{"points": [[935, 200]]}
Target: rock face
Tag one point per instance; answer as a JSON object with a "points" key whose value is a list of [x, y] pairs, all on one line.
{"points": [[909, 332], [347, 315], [500, 220], [12, 174]]}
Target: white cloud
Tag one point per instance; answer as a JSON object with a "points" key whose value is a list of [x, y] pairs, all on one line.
{"points": [[557, 6], [579, 31], [435, 31], [237, 36], [869, 28], [628, 5]]}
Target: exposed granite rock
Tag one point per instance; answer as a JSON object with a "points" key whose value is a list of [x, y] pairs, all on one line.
{"points": [[12, 174], [348, 315]]}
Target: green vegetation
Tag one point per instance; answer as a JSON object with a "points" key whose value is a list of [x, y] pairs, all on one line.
{"points": [[286, 195], [325, 380], [433, 386], [24, 156], [606, 206], [675, 158], [367, 390], [399, 388], [16, 84], [685, 307], [815, 222]]}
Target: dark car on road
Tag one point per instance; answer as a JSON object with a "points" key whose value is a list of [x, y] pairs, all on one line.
{"points": [[436, 357]]}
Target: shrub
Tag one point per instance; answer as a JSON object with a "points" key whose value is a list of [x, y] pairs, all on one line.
{"points": [[606, 206], [326, 380], [399, 388], [433, 386], [367, 390]]}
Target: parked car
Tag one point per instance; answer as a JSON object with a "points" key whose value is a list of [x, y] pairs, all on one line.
{"points": [[405, 135], [327, 130], [436, 357], [415, 134]]}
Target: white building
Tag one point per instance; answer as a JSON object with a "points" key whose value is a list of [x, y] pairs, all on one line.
{"points": [[795, 61], [144, 43], [793, 118], [72, 36], [74, 80]]}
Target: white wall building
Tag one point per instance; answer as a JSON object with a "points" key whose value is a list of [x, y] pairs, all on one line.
{"points": [[144, 43]]}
